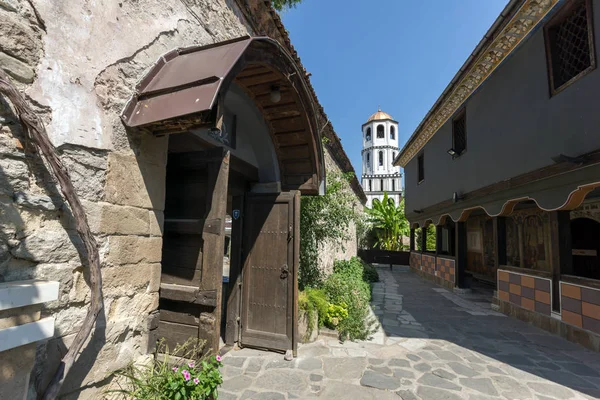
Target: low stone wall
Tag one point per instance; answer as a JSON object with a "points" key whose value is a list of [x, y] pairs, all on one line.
{"points": [[572, 333], [445, 270], [580, 306], [437, 269], [530, 292]]}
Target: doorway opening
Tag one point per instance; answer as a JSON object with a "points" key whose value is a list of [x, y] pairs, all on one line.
{"points": [[585, 233]]}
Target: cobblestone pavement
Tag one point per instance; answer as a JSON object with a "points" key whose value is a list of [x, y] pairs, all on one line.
{"points": [[432, 345]]}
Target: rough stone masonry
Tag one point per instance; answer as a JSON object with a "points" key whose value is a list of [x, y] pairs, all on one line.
{"points": [[78, 63]]}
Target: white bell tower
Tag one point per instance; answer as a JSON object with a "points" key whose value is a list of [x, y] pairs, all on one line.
{"points": [[380, 147]]}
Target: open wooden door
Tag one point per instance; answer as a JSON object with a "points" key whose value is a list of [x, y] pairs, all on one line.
{"points": [[270, 271], [193, 241]]}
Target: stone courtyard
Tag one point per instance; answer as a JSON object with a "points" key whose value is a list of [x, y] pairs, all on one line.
{"points": [[431, 345]]}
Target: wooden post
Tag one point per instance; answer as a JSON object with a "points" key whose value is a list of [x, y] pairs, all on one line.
{"points": [[438, 238], [562, 253], [412, 239], [461, 253], [500, 240], [423, 239]]}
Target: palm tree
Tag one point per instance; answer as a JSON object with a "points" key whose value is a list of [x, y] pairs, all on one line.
{"points": [[389, 222]]}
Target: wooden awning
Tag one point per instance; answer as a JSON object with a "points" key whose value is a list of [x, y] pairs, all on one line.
{"points": [[560, 187], [186, 88]]}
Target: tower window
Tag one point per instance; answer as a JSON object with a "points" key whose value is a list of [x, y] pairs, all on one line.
{"points": [[368, 135], [569, 44], [380, 132], [421, 166], [381, 158], [459, 133], [392, 133], [393, 185], [393, 156], [370, 187], [382, 188], [368, 160]]}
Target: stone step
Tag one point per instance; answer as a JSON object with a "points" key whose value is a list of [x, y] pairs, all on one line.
{"points": [[328, 333]]}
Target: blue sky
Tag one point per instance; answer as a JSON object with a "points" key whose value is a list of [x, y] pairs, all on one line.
{"points": [[399, 54]]}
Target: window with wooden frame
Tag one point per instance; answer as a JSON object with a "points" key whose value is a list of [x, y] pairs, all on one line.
{"points": [[459, 133], [421, 167], [380, 132], [569, 37]]}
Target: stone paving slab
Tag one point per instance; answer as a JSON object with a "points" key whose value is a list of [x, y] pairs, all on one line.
{"points": [[432, 344]]}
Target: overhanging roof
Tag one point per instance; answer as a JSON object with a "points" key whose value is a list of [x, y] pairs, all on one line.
{"points": [[185, 90]]}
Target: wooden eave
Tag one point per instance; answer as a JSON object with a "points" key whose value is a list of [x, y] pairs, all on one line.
{"points": [[186, 88]]}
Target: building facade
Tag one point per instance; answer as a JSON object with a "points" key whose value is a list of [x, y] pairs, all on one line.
{"points": [[157, 179], [380, 147], [506, 165]]}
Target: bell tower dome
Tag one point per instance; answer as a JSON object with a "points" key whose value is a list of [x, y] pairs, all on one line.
{"points": [[380, 147]]}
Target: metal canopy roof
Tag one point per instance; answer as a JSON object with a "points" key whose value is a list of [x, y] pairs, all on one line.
{"points": [[185, 88]]}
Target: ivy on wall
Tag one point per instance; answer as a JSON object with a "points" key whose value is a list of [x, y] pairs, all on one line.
{"points": [[324, 219]]}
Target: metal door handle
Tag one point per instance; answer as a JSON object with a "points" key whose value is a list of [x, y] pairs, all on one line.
{"points": [[284, 272]]}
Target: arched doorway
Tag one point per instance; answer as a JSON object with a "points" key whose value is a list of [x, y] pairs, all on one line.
{"points": [[585, 233], [243, 142]]}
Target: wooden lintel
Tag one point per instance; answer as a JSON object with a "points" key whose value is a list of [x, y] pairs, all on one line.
{"points": [[214, 226], [188, 294]]}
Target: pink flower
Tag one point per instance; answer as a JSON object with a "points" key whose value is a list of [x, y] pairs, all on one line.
{"points": [[196, 381], [175, 369], [218, 357], [191, 364], [186, 375]]}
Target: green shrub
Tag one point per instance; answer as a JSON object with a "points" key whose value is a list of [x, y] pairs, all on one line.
{"points": [[313, 301], [356, 268], [344, 287], [352, 267], [370, 273], [335, 315]]}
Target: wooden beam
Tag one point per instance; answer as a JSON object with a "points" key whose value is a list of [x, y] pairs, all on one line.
{"points": [[461, 254], [500, 241], [561, 251], [188, 294]]}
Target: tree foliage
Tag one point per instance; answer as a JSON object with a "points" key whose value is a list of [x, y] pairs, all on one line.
{"points": [[389, 223], [431, 239], [280, 5], [324, 219]]}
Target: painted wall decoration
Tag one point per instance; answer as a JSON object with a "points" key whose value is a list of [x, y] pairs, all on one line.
{"points": [[512, 243], [474, 240], [534, 246], [488, 240]]}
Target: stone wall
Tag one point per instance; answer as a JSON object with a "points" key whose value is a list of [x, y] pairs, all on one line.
{"points": [[78, 63], [329, 251]]}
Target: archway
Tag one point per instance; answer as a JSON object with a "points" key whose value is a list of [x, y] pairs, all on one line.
{"points": [[243, 143], [585, 234]]}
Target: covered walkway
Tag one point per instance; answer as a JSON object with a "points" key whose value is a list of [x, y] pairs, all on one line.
{"points": [[432, 345]]}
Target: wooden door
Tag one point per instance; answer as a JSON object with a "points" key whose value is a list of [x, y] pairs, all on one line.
{"points": [[270, 272], [193, 241]]}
